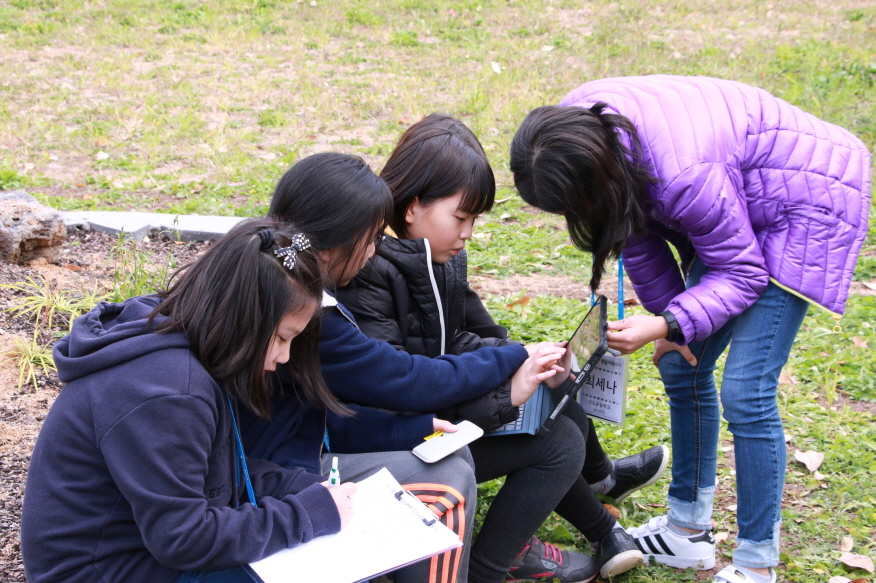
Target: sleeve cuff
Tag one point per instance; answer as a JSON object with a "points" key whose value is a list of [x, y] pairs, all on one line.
{"points": [[410, 431], [321, 509], [507, 412]]}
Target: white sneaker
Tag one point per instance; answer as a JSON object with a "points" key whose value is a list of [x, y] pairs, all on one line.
{"points": [[656, 541], [731, 574]]}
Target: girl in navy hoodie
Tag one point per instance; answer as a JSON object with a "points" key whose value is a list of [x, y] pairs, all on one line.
{"points": [[135, 475]]}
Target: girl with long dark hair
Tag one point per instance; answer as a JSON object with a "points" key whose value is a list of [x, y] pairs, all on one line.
{"points": [[343, 206], [766, 207], [134, 477], [441, 180]]}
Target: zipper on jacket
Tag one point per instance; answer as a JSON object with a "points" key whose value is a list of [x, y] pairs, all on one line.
{"points": [[437, 295]]}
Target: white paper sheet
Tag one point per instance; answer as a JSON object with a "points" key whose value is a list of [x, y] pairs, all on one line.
{"points": [[384, 533]]}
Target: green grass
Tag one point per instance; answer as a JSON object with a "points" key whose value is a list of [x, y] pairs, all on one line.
{"points": [[229, 93], [818, 512], [198, 107]]}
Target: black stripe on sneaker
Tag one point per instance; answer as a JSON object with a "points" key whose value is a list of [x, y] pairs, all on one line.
{"points": [[662, 543], [638, 544], [654, 549]]}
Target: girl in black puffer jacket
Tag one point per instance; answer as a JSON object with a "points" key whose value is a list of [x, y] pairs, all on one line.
{"points": [[415, 295]]}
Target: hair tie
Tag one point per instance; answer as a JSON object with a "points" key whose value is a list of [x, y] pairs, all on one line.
{"points": [[267, 238], [289, 254]]}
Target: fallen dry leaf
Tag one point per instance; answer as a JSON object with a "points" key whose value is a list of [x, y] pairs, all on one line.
{"points": [[811, 459], [818, 475], [859, 343], [838, 579], [721, 536], [523, 301], [857, 561], [846, 544], [614, 511], [732, 508]]}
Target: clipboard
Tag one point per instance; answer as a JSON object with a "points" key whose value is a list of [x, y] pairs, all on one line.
{"points": [[390, 529]]}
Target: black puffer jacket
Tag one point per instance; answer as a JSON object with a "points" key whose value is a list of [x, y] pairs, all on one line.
{"points": [[426, 308]]}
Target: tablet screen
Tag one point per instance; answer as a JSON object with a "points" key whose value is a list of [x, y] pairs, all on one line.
{"points": [[585, 340]]}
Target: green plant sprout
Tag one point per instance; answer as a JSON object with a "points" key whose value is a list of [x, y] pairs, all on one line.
{"points": [[40, 302], [28, 357], [134, 271]]}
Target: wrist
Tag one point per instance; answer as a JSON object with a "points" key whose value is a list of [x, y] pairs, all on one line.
{"points": [[674, 332]]}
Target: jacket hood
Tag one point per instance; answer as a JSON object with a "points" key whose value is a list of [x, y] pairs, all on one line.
{"points": [[111, 334]]}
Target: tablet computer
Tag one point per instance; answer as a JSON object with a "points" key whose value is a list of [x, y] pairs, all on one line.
{"points": [[587, 345]]}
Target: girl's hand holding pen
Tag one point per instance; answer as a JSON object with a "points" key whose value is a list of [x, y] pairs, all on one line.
{"points": [[343, 499], [541, 365]]}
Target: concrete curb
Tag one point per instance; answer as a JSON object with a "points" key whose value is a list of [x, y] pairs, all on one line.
{"points": [[139, 225]]}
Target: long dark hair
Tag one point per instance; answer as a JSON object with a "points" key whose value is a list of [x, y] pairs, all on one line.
{"points": [[571, 161], [229, 303], [435, 158], [336, 199]]}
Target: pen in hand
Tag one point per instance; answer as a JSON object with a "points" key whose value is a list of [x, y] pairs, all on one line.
{"points": [[341, 494], [334, 476]]}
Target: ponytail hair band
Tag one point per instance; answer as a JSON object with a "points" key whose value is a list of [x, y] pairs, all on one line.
{"points": [[299, 242], [267, 239]]}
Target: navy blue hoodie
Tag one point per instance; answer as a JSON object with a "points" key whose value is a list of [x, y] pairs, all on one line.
{"points": [[133, 476]]}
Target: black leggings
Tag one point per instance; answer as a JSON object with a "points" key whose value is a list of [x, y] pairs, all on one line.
{"points": [[544, 473]]}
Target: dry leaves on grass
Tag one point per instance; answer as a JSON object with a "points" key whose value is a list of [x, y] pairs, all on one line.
{"points": [[613, 510], [857, 561], [839, 579], [859, 343], [522, 301], [846, 544], [811, 459]]}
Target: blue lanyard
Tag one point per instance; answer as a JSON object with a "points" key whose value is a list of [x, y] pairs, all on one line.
{"points": [[620, 289], [241, 458]]}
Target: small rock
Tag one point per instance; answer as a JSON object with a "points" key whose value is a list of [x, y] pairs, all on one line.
{"points": [[28, 229]]}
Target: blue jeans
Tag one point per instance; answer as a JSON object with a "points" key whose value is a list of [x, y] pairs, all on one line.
{"points": [[760, 341], [233, 575]]}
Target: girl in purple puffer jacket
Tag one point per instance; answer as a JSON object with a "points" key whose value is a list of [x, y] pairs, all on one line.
{"points": [[766, 206]]}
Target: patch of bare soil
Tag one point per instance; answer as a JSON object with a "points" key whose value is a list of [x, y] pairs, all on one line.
{"points": [[552, 285], [84, 261], [863, 289]]}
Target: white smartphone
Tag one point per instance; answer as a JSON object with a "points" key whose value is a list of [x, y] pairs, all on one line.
{"points": [[437, 447]]}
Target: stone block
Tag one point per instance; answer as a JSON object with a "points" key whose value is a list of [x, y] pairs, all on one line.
{"points": [[28, 229]]}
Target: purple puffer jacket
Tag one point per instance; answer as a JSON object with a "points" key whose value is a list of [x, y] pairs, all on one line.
{"points": [[757, 188]]}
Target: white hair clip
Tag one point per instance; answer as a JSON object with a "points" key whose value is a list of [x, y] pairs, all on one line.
{"points": [[289, 254]]}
